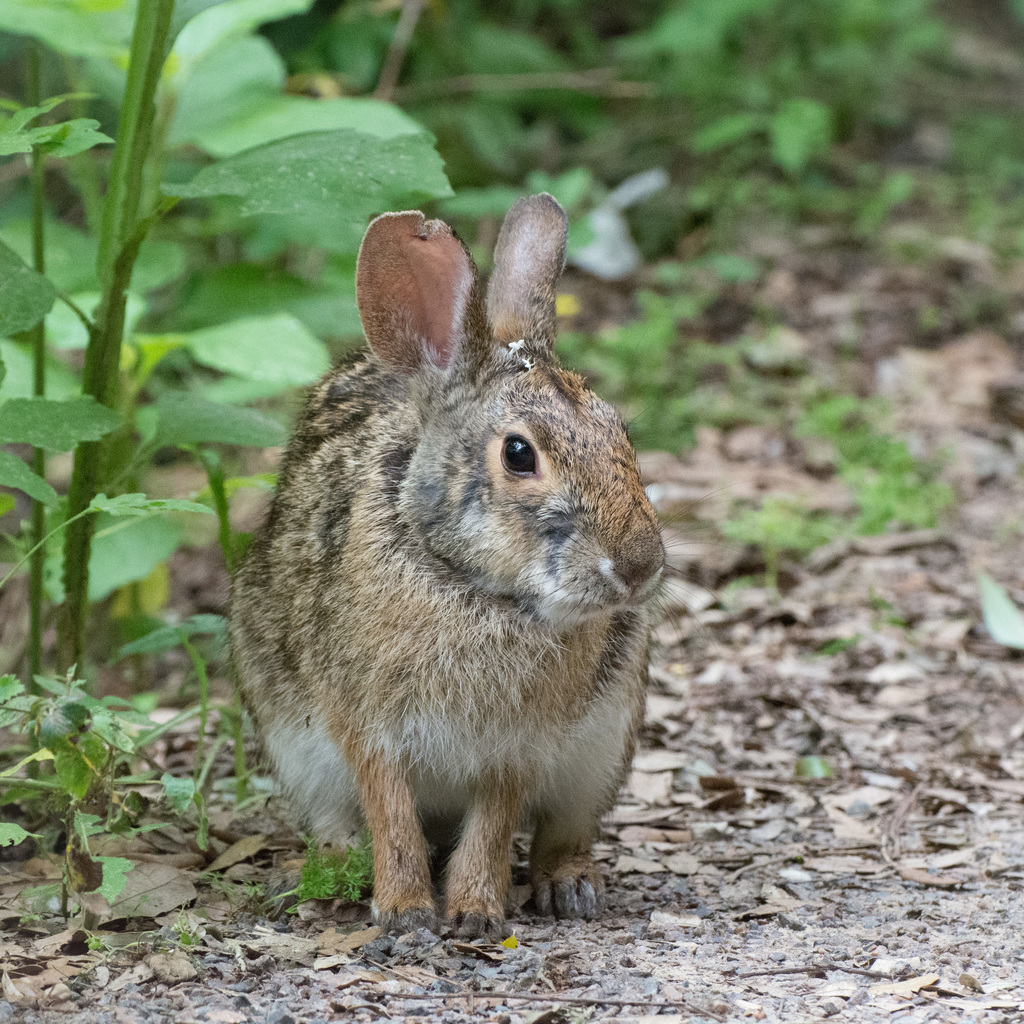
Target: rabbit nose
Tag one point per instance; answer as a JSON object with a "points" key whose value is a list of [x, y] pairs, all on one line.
{"points": [[639, 559]]}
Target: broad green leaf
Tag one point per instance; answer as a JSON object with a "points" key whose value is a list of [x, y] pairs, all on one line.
{"points": [[138, 505], [185, 419], [348, 173], [211, 27], [1003, 619], [14, 473], [280, 116], [55, 426], [233, 99], [129, 542], [72, 771], [11, 833], [179, 792], [18, 383], [114, 869], [64, 329], [71, 257], [128, 549], [725, 131], [25, 295], [276, 349], [800, 131], [70, 253], [83, 28], [6, 504], [326, 307]]}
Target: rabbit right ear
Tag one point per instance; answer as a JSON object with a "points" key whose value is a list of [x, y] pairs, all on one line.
{"points": [[528, 261], [413, 285]]}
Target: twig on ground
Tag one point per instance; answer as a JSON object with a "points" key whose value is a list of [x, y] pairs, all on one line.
{"points": [[540, 997]]}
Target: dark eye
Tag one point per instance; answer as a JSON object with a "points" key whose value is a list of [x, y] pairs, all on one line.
{"points": [[518, 455]]}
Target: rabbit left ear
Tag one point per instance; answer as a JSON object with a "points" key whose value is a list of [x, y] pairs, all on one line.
{"points": [[528, 262], [414, 281]]}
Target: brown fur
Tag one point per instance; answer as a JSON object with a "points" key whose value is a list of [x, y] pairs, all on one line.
{"points": [[425, 638]]}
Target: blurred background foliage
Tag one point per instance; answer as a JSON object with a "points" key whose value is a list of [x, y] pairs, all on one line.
{"points": [[672, 130]]}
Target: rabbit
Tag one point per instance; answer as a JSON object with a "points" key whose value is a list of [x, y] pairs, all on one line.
{"points": [[442, 629]]}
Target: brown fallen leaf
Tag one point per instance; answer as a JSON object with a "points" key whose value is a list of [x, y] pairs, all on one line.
{"points": [[924, 878], [908, 987], [150, 890], [332, 941], [246, 847]]}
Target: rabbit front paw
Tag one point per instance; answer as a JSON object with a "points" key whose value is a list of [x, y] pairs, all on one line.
{"points": [[397, 920], [573, 888], [478, 922]]}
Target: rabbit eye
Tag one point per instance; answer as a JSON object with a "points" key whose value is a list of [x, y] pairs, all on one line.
{"points": [[518, 456]]}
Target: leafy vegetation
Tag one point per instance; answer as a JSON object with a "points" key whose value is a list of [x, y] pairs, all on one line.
{"points": [[327, 874]]}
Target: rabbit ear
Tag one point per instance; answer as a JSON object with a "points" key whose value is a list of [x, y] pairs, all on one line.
{"points": [[413, 284], [528, 261]]}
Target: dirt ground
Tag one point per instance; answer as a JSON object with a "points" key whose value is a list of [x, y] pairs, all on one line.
{"points": [[741, 887]]}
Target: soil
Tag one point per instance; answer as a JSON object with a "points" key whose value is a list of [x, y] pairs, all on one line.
{"points": [[825, 819]]}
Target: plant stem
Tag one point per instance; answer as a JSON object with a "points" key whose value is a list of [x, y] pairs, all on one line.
{"points": [[38, 339], [199, 667], [215, 477], [120, 238]]}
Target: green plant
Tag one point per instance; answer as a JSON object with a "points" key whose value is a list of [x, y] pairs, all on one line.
{"points": [[94, 746], [126, 408], [327, 874], [781, 524], [888, 484]]}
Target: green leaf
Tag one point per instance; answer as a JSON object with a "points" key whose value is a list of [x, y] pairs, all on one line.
{"points": [[166, 638], [77, 28], [114, 871], [184, 419], [812, 767], [10, 686], [60, 382], [127, 550], [276, 349], [725, 131], [350, 173], [1003, 619], [232, 99], [179, 792], [800, 131], [130, 541], [14, 473], [207, 29], [55, 426], [11, 833], [25, 296], [72, 771], [138, 505], [6, 504]]}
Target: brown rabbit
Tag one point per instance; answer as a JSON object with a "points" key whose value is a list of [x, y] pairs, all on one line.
{"points": [[442, 625]]}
